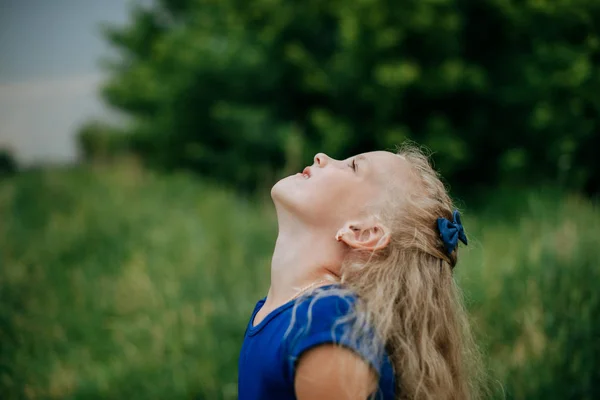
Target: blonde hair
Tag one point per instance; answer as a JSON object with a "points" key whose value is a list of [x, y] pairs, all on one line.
{"points": [[408, 295]]}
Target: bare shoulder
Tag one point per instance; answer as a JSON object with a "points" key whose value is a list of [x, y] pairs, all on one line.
{"points": [[332, 372]]}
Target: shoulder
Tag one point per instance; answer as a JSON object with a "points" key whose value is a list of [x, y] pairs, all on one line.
{"points": [[326, 305], [318, 318], [330, 317], [326, 360], [331, 348], [325, 315]]}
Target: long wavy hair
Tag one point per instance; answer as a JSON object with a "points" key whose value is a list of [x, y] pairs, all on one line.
{"points": [[408, 295]]}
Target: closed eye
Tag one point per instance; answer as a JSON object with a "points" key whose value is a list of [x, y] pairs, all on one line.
{"points": [[353, 165]]}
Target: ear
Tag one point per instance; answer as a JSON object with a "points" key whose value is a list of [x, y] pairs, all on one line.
{"points": [[367, 234]]}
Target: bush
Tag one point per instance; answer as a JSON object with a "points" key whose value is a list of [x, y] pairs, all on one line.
{"points": [[8, 165], [98, 141]]}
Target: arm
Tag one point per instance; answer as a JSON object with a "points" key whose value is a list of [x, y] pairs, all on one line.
{"points": [[334, 373]]}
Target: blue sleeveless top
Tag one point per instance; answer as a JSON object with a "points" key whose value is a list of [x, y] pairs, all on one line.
{"points": [[268, 357]]}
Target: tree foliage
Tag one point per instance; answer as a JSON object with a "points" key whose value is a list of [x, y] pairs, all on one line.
{"points": [[500, 90]]}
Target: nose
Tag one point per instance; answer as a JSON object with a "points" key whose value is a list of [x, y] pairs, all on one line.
{"points": [[321, 159]]}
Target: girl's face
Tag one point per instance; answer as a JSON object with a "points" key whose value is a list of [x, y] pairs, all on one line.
{"points": [[331, 192]]}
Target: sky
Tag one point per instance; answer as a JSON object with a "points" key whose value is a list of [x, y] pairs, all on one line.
{"points": [[50, 74]]}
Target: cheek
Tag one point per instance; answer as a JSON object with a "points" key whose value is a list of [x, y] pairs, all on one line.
{"points": [[337, 196], [327, 199]]}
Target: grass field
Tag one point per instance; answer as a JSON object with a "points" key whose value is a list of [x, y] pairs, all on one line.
{"points": [[119, 283]]}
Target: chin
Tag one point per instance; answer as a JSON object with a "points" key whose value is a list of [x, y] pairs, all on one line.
{"points": [[283, 189], [291, 193], [299, 197]]}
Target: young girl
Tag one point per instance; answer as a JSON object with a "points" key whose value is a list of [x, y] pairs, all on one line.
{"points": [[362, 302]]}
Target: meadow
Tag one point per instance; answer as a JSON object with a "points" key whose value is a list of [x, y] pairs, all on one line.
{"points": [[119, 283]]}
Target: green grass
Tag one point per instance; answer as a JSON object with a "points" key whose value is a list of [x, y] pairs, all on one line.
{"points": [[119, 283], [533, 277]]}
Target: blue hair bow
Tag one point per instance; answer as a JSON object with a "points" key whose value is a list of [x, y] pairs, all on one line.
{"points": [[451, 232]]}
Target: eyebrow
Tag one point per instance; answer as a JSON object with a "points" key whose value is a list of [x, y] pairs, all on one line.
{"points": [[361, 157]]}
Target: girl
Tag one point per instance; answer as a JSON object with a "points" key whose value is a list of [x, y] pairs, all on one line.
{"points": [[362, 302]]}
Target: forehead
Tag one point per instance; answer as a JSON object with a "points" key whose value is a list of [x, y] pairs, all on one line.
{"points": [[392, 173], [383, 165]]}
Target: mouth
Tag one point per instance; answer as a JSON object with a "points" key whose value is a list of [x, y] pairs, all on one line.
{"points": [[306, 173]]}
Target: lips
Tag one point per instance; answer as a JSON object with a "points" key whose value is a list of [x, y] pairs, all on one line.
{"points": [[306, 173]]}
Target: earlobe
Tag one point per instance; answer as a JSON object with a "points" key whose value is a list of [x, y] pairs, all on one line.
{"points": [[364, 235]]}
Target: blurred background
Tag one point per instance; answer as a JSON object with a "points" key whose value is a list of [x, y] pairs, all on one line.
{"points": [[139, 141]]}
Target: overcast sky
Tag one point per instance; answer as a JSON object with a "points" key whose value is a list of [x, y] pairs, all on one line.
{"points": [[49, 74]]}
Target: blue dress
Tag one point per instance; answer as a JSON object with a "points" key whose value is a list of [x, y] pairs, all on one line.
{"points": [[270, 349]]}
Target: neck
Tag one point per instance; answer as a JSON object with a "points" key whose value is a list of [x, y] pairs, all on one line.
{"points": [[303, 255]]}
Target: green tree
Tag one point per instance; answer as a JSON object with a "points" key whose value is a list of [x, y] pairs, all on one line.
{"points": [[500, 90]]}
